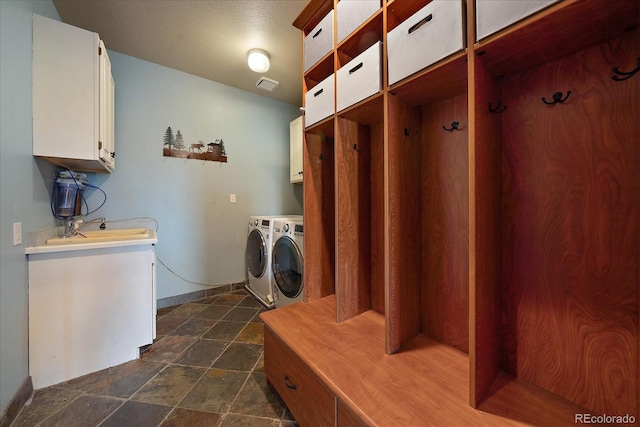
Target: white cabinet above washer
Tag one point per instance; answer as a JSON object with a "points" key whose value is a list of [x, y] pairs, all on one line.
{"points": [[73, 97], [295, 150]]}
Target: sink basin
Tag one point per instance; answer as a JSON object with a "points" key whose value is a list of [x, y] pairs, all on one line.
{"points": [[95, 236]]}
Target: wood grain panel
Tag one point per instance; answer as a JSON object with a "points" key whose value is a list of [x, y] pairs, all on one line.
{"points": [[377, 218], [353, 198], [571, 228], [445, 223], [319, 215], [404, 253], [485, 240]]}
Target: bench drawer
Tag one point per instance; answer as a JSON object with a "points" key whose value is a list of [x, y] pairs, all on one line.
{"points": [[310, 403]]}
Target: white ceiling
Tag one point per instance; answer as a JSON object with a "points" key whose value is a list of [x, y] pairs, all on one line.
{"points": [[207, 38]]}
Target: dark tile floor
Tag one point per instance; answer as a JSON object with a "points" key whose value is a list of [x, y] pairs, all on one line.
{"points": [[204, 369]]}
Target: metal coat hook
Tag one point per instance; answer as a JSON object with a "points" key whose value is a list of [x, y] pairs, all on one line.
{"points": [[454, 126], [557, 97], [407, 132], [625, 75], [497, 109]]}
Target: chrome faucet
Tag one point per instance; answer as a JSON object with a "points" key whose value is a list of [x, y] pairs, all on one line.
{"points": [[72, 227]]}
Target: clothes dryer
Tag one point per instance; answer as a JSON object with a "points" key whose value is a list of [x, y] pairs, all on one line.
{"points": [[258, 257], [288, 262]]}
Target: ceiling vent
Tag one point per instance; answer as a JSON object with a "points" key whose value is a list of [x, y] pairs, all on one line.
{"points": [[267, 84]]}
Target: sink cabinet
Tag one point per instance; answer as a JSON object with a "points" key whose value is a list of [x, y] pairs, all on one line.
{"points": [[89, 309], [73, 97], [477, 220]]}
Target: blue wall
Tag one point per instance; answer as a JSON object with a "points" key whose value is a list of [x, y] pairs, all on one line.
{"points": [[202, 235], [24, 187]]}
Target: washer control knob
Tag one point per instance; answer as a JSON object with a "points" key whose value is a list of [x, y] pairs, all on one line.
{"points": [[255, 222], [286, 228]]}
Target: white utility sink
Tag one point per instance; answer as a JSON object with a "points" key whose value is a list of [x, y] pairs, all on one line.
{"points": [[94, 236], [49, 240]]}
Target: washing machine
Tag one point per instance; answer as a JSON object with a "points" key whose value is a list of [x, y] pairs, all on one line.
{"points": [[258, 257], [288, 262]]}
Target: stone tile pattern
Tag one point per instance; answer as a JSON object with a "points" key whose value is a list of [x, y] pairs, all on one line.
{"points": [[205, 368]]}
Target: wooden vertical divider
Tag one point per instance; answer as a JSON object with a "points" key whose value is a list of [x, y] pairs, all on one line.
{"points": [[484, 222], [377, 219], [484, 230], [402, 309], [319, 202]]}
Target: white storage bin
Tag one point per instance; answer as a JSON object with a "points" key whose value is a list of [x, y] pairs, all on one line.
{"points": [[432, 33], [359, 78], [494, 15], [319, 41], [351, 13], [318, 101]]}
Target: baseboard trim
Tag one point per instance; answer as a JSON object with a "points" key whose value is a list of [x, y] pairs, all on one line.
{"points": [[16, 404], [192, 296]]}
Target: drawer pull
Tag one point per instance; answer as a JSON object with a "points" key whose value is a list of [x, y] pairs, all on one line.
{"points": [[421, 23], [289, 384], [318, 92], [356, 68], [316, 34]]}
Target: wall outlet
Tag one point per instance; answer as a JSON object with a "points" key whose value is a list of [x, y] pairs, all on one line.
{"points": [[17, 233], [232, 198]]}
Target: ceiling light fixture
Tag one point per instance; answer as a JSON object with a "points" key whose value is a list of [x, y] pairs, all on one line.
{"points": [[258, 60]]}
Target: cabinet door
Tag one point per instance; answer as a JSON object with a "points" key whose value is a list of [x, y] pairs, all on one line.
{"points": [[295, 150], [106, 141], [72, 97]]}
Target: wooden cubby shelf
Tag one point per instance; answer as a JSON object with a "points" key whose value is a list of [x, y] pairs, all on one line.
{"points": [[471, 248]]}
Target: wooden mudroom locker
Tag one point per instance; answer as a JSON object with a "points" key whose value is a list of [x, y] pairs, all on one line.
{"points": [[472, 222]]}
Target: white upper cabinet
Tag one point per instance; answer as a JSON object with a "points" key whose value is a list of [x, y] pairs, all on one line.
{"points": [[73, 98], [295, 150]]}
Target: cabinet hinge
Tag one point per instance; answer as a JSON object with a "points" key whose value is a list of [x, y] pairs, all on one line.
{"points": [[99, 145], [99, 50]]}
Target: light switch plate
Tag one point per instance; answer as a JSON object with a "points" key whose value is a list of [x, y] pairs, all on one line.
{"points": [[232, 198], [17, 233]]}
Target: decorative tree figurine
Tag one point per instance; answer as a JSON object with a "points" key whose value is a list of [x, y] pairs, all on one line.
{"points": [[179, 141], [224, 152], [168, 138]]}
